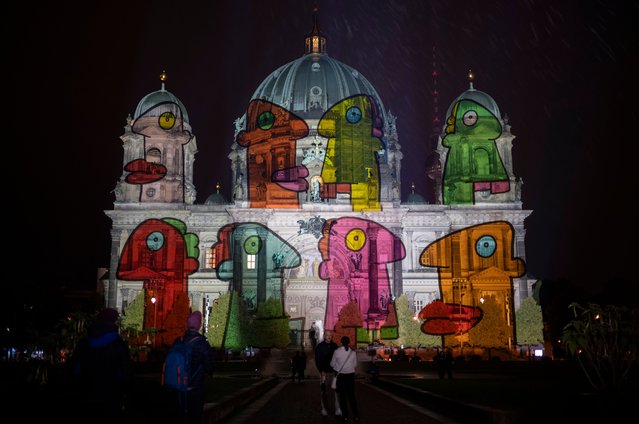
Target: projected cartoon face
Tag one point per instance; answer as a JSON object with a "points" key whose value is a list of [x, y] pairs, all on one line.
{"points": [[162, 254], [470, 262], [253, 258], [354, 130], [270, 137], [355, 252], [473, 162], [162, 126]]}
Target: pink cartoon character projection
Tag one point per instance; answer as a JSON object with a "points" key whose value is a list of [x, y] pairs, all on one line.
{"points": [[355, 252]]}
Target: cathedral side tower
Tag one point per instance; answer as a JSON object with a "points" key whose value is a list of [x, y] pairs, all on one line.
{"points": [[159, 152]]}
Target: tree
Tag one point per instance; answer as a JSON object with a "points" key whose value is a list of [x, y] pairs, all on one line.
{"points": [[236, 324], [269, 327], [492, 331], [529, 323], [605, 341], [217, 320], [348, 323], [133, 316], [410, 333]]}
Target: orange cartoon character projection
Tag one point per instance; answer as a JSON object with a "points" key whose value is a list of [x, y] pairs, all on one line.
{"points": [[162, 254], [472, 263], [353, 127], [274, 179], [355, 252]]}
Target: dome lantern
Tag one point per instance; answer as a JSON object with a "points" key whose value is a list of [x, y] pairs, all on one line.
{"points": [[315, 42]]}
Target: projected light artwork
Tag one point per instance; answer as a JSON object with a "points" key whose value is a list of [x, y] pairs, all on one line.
{"points": [[274, 179], [252, 258], [162, 254], [473, 162], [355, 252], [474, 262], [160, 170], [354, 129]]}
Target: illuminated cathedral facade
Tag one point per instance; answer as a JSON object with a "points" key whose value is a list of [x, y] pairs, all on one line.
{"points": [[316, 220]]}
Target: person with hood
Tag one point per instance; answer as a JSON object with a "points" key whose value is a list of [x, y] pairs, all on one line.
{"points": [[101, 365], [344, 361], [191, 402]]}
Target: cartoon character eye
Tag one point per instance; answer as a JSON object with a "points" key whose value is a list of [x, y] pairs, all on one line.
{"points": [[485, 246], [353, 114], [266, 120], [252, 245], [155, 240], [470, 118], [166, 121], [355, 239]]}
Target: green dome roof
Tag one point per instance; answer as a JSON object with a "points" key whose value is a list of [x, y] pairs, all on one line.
{"points": [[215, 199], [151, 100], [415, 198], [477, 96], [310, 85]]}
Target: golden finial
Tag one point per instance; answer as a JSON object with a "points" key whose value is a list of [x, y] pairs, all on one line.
{"points": [[412, 186], [218, 186], [471, 78], [163, 76]]}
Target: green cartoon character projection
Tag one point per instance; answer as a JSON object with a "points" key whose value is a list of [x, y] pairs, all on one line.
{"points": [[473, 162]]}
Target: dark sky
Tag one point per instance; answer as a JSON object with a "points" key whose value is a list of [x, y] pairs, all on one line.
{"points": [[566, 74]]}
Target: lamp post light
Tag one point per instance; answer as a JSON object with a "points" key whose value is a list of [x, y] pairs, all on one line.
{"points": [[155, 316]]}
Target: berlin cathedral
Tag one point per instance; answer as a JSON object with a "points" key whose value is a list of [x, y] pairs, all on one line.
{"points": [[316, 221]]}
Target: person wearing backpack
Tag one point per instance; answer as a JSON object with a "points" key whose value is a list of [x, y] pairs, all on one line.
{"points": [[191, 401]]}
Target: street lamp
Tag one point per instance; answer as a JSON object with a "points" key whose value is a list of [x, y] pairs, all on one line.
{"points": [[155, 316]]}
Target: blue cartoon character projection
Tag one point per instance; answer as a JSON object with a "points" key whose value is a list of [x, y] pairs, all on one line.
{"points": [[252, 258]]}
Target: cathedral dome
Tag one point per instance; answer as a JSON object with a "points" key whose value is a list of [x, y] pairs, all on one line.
{"points": [[310, 85], [155, 98], [478, 96], [216, 198], [414, 197]]}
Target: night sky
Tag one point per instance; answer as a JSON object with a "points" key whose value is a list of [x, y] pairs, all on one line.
{"points": [[565, 74]]}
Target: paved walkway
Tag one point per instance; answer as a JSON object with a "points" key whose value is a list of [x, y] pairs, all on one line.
{"points": [[295, 403]]}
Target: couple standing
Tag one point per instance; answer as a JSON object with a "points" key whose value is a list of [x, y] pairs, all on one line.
{"points": [[331, 360]]}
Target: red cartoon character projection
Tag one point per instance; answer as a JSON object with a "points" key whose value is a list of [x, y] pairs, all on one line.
{"points": [[472, 263], [162, 254], [355, 252], [274, 179]]}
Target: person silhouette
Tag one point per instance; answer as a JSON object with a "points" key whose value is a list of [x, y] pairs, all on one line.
{"points": [[101, 365]]}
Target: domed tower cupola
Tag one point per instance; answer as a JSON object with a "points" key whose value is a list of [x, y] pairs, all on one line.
{"points": [[315, 42], [475, 148], [159, 151]]}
